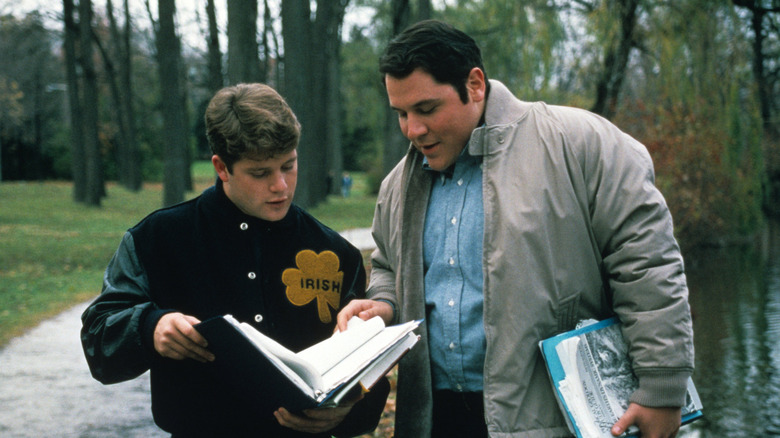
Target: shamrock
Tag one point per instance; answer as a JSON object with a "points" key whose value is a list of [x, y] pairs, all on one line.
{"points": [[317, 276]]}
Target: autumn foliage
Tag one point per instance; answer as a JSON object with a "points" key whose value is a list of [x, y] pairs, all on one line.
{"points": [[709, 168]]}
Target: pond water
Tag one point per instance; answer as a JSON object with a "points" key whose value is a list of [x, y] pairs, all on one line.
{"points": [[735, 300]]}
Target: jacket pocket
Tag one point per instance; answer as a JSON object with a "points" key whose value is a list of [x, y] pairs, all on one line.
{"points": [[567, 312]]}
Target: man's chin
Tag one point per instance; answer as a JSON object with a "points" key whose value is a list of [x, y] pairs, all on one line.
{"points": [[438, 165], [274, 214]]}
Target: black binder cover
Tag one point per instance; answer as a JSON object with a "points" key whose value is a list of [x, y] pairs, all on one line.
{"points": [[247, 371]]}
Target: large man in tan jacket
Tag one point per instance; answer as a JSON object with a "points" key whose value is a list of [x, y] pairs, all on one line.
{"points": [[506, 223]]}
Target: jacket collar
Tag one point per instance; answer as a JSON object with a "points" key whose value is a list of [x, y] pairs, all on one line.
{"points": [[502, 111], [220, 206]]}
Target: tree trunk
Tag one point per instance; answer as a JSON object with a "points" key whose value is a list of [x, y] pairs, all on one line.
{"points": [[297, 85], [395, 142], [134, 174], [130, 160], [267, 63], [273, 71], [326, 49], [311, 87], [758, 13], [331, 118], [616, 60], [243, 61], [215, 53], [172, 103], [93, 166], [119, 81], [78, 163], [424, 10]]}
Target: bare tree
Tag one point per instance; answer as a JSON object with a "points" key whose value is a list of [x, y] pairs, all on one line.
{"points": [[424, 10], [78, 164], [89, 99], [760, 23], [243, 62], [272, 69], [311, 82], [176, 162], [615, 59], [215, 81], [395, 143], [128, 157], [297, 87], [766, 74]]}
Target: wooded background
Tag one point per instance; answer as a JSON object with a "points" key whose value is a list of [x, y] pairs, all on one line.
{"points": [[96, 91]]}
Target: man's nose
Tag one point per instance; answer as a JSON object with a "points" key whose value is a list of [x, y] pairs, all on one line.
{"points": [[415, 128], [279, 183]]}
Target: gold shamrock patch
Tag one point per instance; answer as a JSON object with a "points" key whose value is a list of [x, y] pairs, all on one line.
{"points": [[317, 277]]}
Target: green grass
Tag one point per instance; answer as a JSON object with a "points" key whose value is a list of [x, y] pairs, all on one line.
{"points": [[53, 251], [357, 211]]}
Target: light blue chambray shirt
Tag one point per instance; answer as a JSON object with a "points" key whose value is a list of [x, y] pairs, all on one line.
{"points": [[452, 254]]}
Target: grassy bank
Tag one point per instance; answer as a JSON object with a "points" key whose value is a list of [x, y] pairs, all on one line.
{"points": [[53, 251]]}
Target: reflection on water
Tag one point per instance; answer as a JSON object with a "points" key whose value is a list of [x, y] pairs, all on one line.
{"points": [[735, 300]]}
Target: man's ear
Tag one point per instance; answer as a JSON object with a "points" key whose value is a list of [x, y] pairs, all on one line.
{"points": [[475, 84], [220, 167]]}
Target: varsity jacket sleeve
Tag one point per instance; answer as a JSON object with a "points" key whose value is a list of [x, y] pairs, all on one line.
{"points": [[117, 328]]}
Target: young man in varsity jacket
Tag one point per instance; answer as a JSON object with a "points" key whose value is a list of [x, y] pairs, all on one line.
{"points": [[225, 252]]}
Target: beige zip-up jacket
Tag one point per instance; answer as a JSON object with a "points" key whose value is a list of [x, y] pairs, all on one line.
{"points": [[574, 228]]}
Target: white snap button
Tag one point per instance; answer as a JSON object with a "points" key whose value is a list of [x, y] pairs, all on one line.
{"points": [[258, 318], [244, 226], [251, 275]]}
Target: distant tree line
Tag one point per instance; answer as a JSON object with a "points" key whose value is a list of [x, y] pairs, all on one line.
{"points": [[111, 94]]}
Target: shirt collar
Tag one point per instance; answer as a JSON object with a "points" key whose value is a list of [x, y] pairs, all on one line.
{"points": [[464, 159], [448, 172], [444, 174]]}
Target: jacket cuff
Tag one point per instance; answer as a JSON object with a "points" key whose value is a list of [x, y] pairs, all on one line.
{"points": [[386, 294], [148, 324], [661, 389], [392, 304]]}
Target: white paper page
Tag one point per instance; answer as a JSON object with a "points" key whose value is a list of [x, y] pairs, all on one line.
{"points": [[384, 362], [353, 364], [371, 374], [571, 388], [326, 354]]}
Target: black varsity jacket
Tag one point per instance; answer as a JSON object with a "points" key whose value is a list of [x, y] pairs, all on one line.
{"points": [[205, 257]]}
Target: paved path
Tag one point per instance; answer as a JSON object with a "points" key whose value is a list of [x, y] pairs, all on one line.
{"points": [[360, 237], [46, 388]]}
